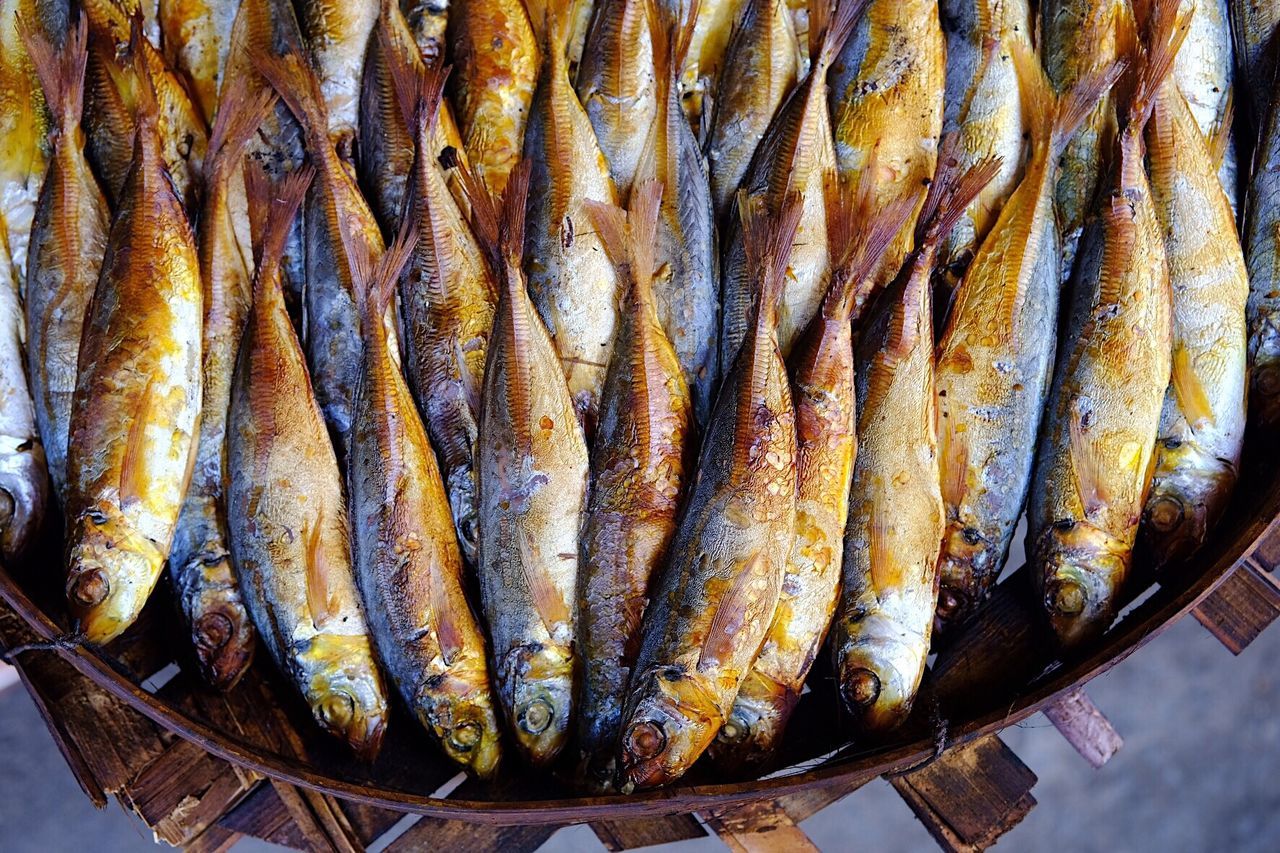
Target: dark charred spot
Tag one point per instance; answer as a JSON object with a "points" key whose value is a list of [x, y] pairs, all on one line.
{"points": [[1064, 524], [448, 158], [566, 234], [971, 535]]}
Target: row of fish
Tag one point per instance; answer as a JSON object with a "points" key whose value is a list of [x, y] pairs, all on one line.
{"points": [[419, 396]]}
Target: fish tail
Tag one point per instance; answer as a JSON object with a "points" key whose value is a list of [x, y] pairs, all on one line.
{"points": [[272, 207], [147, 105], [1165, 27], [860, 233], [768, 240], [486, 213], [418, 91], [630, 237], [291, 76], [950, 193], [511, 249], [61, 70], [374, 281], [241, 110], [830, 28]]}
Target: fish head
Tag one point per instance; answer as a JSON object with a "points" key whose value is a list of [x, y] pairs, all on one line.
{"points": [[462, 504], [222, 634], [1184, 503], [111, 570], [966, 569], [669, 726], [880, 666], [345, 691], [23, 495], [539, 681], [753, 731], [1081, 568], [458, 708]]}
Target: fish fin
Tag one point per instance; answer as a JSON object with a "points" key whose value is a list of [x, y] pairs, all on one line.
{"points": [[419, 87], [241, 110], [732, 612], [859, 234], [516, 297], [272, 207], [512, 224], [1164, 26], [830, 28], [1193, 401], [135, 477], [954, 458], [610, 222], [374, 281], [486, 214], [630, 237], [321, 600], [1076, 105], [1085, 461], [296, 83], [768, 241], [951, 192], [61, 69], [880, 554], [551, 606], [1219, 137], [148, 106]]}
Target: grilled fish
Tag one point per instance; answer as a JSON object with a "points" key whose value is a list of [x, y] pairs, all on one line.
{"points": [[711, 607], [337, 34], [196, 38], [995, 358], [1262, 244], [200, 562], [407, 564], [796, 154], [1254, 24], [333, 202], [533, 486], [686, 285], [887, 101], [449, 294], [884, 617], [495, 55], [1078, 39], [1202, 424], [822, 382], [1205, 71], [285, 512], [1093, 467], [983, 103], [764, 55], [136, 406], [637, 476], [571, 280], [68, 240]]}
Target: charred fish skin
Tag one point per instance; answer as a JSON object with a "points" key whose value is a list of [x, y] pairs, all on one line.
{"points": [[333, 202], [884, 618], [686, 284], [1254, 24], [196, 37], [448, 297], [406, 560], [1262, 248], [764, 54], [285, 512], [200, 561], [984, 104], [68, 240], [886, 93], [995, 357], [712, 606], [796, 154], [1079, 37], [337, 35], [532, 468], [617, 86], [1202, 423], [1094, 462], [638, 470], [1205, 72], [136, 407], [496, 60], [571, 280]]}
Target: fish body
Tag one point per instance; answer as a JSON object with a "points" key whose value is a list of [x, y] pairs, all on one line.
{"points": [[571, 280], [1254, 24], [1202, 424], [712, 606], [496, 63], [24, 132], [1205, 71], [704, 60], [533, 487], [406, 559], [1262, 248], [765, 56], [136, 407], [638, 472], [886, 93], [285, 512], [196, 37], [337, 35], [68, 240]]}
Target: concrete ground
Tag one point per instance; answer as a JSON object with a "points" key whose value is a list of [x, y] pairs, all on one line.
{"points": [[1197, 772]]}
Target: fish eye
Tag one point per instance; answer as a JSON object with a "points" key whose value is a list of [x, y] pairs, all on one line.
{"points": [[213, 631], [337, 710], [89, 589], [465, 737], [1064, 524], [861, 688], [735, 729], [536, 717], [1065, 597], [646, 740]]}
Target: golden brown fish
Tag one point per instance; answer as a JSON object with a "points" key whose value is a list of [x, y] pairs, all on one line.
{"points": [[428, 20], [711, 608], [637, 479], [1094, 464], [1206, 76], [533, 487], [887, 101], [822, 382], [196, 38], [137, 401], [495, 54], [571, 280], [337, 35]]}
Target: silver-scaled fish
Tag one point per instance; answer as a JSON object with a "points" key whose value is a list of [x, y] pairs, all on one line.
{"points": [[196, 38], [1206, 75]]}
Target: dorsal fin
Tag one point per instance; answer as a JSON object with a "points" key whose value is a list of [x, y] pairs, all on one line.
{"points": [[61, 70], [241, 111], [859, 234], [272, 208]]}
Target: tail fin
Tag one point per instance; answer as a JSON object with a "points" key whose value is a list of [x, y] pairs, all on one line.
{"points": [[295, 82], [859, 235], [1164, 27], [419, 87], [272, 208], [1054, 120], [486, 216], [830, 28], [768, 240], [630, 237], [241, 110], [950, 193], [148, 107], [61, 71], [511, 225], [375, 281], [671, 34]]}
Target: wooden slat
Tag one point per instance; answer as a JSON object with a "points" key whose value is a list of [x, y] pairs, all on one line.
{"points": [[369, 822], [760, 827], [318, 818], [971, 795], [644, 832], [1085, 728], [263, 815], [1242, 606], [215, 839], [805, 804], [456, 836]]}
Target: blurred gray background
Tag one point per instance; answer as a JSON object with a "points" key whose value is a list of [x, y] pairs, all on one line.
{"points": [[1198, 771]]}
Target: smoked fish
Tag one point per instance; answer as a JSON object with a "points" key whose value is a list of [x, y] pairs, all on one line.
{"points": [[285, 512], [1254, 24], [24, 479], [704, 58], [638, 472], [532, 470], [136, 408], [195, 36], [711, 608], [1262, 247], [1206, 76], [1095, 459], [428, 21], [337, 35], [406, 559]]}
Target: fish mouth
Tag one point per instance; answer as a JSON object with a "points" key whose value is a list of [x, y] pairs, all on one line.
{"points": [[878, 682], [224, 645], [1178, 514], [340, 713], [751, 735], [1079, 598], [541, 720], [111, 571], [965, 571], [671, 726], [346, 693]]}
